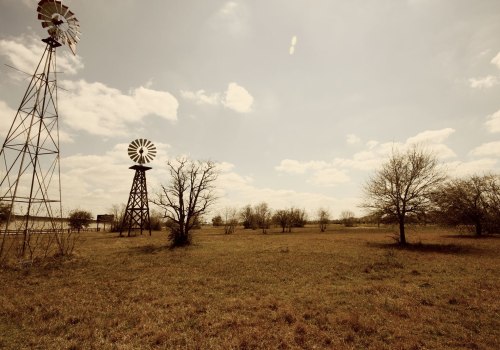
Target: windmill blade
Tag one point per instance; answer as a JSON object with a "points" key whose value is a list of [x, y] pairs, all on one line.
{"points": [[141, 151], [60, 21]]}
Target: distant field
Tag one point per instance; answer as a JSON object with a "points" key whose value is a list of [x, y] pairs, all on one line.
{"points": [[342, 289]]}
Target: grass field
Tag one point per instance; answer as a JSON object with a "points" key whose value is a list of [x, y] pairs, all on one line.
{"points": [[342, 289]]}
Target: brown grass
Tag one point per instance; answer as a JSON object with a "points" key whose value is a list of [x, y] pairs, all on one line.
{"points": [[343, 289]]}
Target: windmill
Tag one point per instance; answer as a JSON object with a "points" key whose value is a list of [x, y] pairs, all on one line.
{"points": [[30, 183], [136, 215]]}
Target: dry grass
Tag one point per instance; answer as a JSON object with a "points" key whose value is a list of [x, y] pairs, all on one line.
{"points": [[343, 289]]}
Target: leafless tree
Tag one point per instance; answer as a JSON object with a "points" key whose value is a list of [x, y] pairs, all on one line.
{"points": [[188, 195], [403, 186], [247, 216], [323, 219], [230, 219], [347, 218], [118, 211], [263, 216], [470, 201], [283, 218]]}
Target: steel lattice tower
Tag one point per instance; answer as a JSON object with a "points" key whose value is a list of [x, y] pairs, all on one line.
{"points": [[137, 212], [30, 168], [30, 175]]}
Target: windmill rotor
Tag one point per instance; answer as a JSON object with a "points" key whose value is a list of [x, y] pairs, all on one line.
{"points": [[60, 22], [141, 151]]}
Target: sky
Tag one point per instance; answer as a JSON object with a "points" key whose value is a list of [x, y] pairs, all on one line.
{"points": [[299, 102]]}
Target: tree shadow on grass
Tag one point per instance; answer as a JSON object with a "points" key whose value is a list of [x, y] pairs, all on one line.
{"points": [[149, 249], [455, 249], [473, 237]]}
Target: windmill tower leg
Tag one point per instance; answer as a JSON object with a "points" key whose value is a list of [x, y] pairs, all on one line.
{"points": [[137, 210], [30, 169]]}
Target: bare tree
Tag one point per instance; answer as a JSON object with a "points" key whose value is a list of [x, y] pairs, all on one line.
{"points": [[283, 218], [190, 192], [298, 218], [263, 216], [403, 186], [118, 211], [347, 218], [230, 219], [323, 219], [470, 201]]}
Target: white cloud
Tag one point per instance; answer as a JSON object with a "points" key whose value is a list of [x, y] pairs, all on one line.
{"points": [[433, 140], [329, 177], [493, 122], [237, 190], [496, 60], [484, 83], [352, 139], [236, 98], [480, 166], [490, 149], [201, 97], [323, 173], [102, 110], [431, 136], [296, 167], [25, 52]]}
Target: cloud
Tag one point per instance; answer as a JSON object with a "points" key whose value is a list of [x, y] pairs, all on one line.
{"points": [[335, 171], [490, 149], [431, 136], [493, 122], [101, 110], [295, 167], [200, 97], [237, 191], [479, 166], [496, 60], [433, 140], [323, 173], [484, 83], [352, 139], [293, 42], [329, 177], [25, 52], [236, 98]]}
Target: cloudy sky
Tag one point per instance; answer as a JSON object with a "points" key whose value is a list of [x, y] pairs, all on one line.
{"points": [[299, 101]]}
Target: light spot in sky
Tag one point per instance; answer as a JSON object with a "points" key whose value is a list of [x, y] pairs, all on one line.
{"points": [[293, 42]]}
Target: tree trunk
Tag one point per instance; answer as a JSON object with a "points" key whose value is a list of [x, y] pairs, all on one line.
{"points": [[402, 236], [479, 228]]}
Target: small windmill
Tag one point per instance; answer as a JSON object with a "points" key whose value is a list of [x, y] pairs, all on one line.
{"points": [[136, 215], [29, 159]]}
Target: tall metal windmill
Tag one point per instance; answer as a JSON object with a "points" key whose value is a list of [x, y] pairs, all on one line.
{"points": [[30, 181], [136, 216]]}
